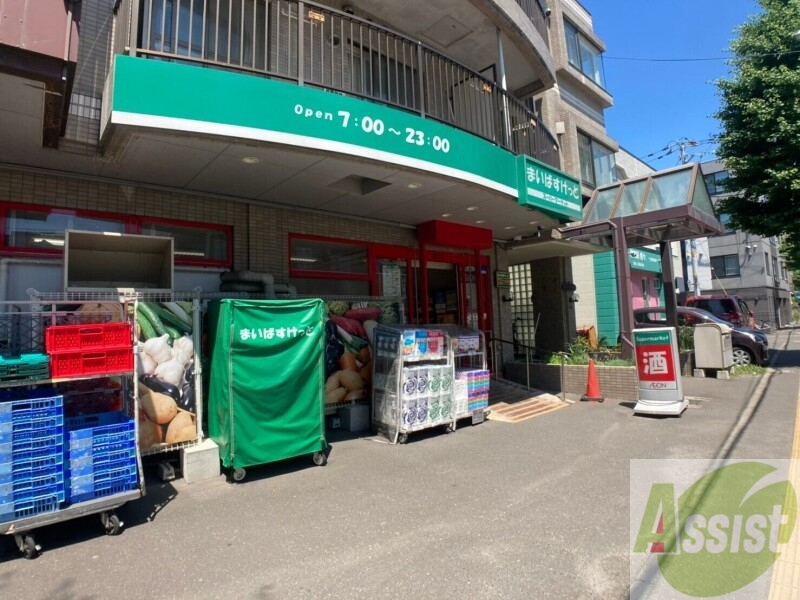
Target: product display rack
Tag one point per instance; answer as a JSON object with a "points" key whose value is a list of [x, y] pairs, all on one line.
{"points": [[196, 383], [149, 298], [471, 385], [412, 380], [58, 460]]}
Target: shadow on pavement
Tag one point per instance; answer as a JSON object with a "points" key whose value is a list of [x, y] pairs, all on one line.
{"points": [[76, 530]]}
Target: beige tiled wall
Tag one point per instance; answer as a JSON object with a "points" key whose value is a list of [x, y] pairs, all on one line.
{"points": [[260, 233]]}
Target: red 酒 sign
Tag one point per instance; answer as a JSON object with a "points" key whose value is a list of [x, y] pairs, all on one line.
{"points": [[655, 363]]}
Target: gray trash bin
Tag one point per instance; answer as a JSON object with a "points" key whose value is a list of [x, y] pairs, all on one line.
{"points": [[713, 347]]}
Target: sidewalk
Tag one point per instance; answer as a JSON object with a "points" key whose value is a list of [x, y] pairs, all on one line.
{"points": [[528, 510]]}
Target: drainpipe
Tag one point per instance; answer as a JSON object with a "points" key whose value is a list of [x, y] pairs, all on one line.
{"points": [[501, 65]]}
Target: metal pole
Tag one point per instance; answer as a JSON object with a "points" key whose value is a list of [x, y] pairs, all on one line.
{"points": [[301, 44], [695, 278], [528, 368], [502, 68]]}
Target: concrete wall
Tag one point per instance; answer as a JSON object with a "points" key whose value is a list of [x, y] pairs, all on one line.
{"points": [[619, 383], [557, 321], [40, 26], [260, 233], [583, 276]]}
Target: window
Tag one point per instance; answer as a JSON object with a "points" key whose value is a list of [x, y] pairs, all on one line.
{"points": [[223, 31], [725, 219], [715, 182], [191, 243], [43, 229], [597, 162], [767, 263], [40, 231], [583, 55], [775, 268], [725, 266], [327, 256], [377, 76], [328, 267]]}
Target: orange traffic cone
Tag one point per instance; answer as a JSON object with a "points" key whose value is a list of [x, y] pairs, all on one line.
{"points": [[592, 386]]}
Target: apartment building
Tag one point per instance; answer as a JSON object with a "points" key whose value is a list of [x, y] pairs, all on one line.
{"points": [[552, 270], [747, 265], [342, 149]]}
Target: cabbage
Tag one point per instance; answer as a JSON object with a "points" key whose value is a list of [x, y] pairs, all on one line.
{"points": [[390, 315], [338, 307]]}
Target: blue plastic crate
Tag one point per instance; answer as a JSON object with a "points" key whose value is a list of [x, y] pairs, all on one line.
{"points": [[101, 455], [19, 393], [21, 468], [101, 484], [21, 490], [88, 464], [99, 429], [32, 429], [27, 404], [42, 444], [30, 503]]}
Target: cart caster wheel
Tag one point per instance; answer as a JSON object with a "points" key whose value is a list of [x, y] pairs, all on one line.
{"points": [[27, 545], [239, 474], [402, 438], [111, 523], [319, 459]]}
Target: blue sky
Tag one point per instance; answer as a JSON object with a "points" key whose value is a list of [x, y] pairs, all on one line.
{"points": [[659, 102]]}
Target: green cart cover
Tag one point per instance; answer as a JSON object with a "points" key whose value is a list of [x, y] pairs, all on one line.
{"points": [[266, 388]]}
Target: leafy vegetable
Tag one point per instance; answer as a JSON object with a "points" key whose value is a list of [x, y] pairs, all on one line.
{"points": [[338, 307]]}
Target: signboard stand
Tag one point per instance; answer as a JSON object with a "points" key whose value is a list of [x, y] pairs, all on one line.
{"points": [[660, 389]]}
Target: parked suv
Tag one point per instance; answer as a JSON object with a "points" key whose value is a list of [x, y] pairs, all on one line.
{"points": [[749, 345], [727, 308]]}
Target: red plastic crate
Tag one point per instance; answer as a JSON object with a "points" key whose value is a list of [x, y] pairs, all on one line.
{"points": [[75, 364], [90, 336]]}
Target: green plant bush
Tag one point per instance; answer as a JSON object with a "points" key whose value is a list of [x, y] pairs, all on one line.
{"points": [[746, 370], [685, 338], [580, 351]]}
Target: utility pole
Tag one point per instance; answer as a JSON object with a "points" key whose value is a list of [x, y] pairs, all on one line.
{"points": [[695, 283]]}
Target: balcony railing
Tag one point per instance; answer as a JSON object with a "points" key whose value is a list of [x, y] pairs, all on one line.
{"points": [[535, 12], [312, 44]]}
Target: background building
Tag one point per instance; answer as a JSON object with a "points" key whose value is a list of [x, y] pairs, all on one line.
{"points": [[377, 148], [555, 288], [747, 265]]}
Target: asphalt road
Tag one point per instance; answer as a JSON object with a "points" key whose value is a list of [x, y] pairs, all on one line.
{"points": [[538, 509]]}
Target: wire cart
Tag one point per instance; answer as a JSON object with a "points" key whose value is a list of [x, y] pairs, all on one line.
{"points": [[472, 378], [267, 381], [68, 402], [412, 380]]}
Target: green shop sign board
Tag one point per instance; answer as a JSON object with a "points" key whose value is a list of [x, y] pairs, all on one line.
{"points": [[159, 94], [548, 189], [644, 259]]}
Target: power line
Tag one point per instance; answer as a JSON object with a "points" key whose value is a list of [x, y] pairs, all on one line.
{"points": [[680, 146], [639, 59]]}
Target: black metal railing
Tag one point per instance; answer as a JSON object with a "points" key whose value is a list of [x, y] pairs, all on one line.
{"points": [[312, 44], [536, 13]]}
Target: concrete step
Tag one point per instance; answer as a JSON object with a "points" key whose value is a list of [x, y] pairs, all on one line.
{"points": [[512, 403]]}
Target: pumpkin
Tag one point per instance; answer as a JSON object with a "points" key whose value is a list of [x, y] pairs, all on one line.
{"points": [[150, 434], [182, 428], [160, 408]]}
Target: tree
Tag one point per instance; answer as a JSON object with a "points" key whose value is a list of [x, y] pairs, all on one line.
{"points": [[760, 123]]}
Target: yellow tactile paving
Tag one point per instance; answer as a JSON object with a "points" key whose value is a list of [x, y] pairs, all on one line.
{"points": [[786, 572]]}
